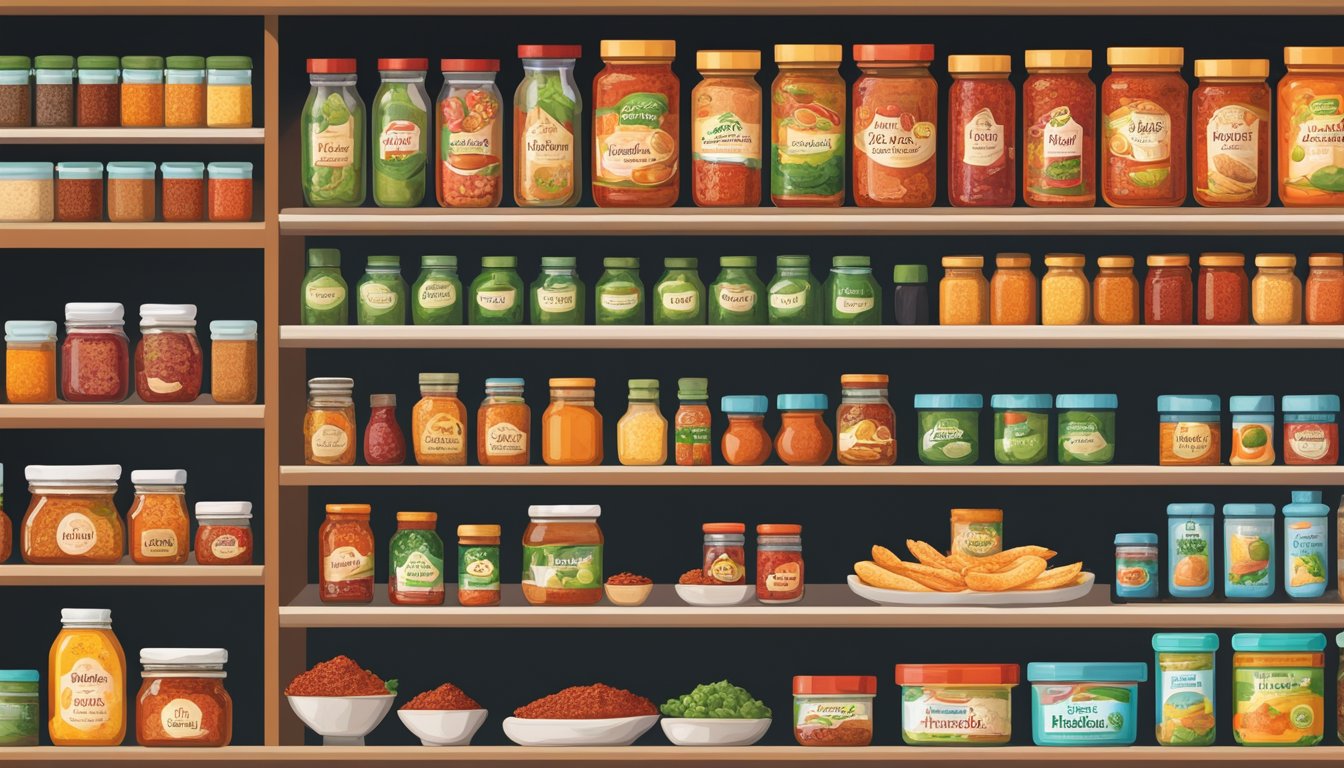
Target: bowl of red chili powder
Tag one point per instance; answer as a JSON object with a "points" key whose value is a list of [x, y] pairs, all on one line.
{"points": [[628, 590], [341, 701], [583, 716], [443, 717]]}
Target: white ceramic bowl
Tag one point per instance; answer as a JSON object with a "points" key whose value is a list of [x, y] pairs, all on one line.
{"points": [[612, 732], [714, 732], [443, 727], [715, 595], [342, 720]]}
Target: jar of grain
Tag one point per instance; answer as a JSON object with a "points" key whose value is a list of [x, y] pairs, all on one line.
{"points": [[233, 361], [1065, 293], [184, 92], [183, 191], [1012, 291], [1276, 293], [54, 91], [641, 434], [99, 95], [230, 191], [142, 91], [26, 192], [1324, 304], [30, 361], [79, 192], [963, 293], [228, 92], [130, 191], [1115, 292], [16, 95]]}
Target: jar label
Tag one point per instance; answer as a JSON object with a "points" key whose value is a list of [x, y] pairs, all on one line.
{"points": [[1135, 575], [1141, 132], [481, 142], [1191, 440], [226, 547], [737, 297], [546, 163], [329, 442], [181, 719], [983, 140], [496, 301], [895, 140], [728, 138], [419, 572], [398, 140], [793, 141], [504, 439], [977, 539], [726, 569], [697, 435], [853, 305], [563, 567], [75, 534], [158, 542], [1319, 140], [1233, 141], [86, 693], [324, 293], [1309, 441], [441, 436], [788, 577], [1190, 548], [1081, 438], [926, 712], [437, 294], [1283, 706], [809, 715], [478, 568], [790, 301], [681, 301], [618, 302], [1070, 710], [334, 146], [1306, 551], [347, 564], [1186, 700], [632, 147], [1061, 161], [377, 296], [1250, 554], [557, 300]]}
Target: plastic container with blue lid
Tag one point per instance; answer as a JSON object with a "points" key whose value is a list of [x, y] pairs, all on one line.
{"points": [[1136, 567], [1190, 430], [1183, 671], [807, 402], [746, 405], [27, 192], [1252, 430], [1190, 550], [1278, 689], [1311, 429], [1248, 551], [1021, 428], [803, 439], [16, 78], [949, 428], [1306, 556], [131, 170], [1085, 704], [745, 442], [182, 170]]}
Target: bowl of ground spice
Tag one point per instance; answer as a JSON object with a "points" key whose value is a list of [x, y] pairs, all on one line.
{"points": [[582, 716], [695, 587], [628, 590], [341, 701], [443, 717]]}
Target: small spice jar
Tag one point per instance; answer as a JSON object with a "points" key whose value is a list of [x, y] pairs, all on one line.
{"points": [[223, 533], [1224, 290], [1065, 292], [16, 95], [1136, 567], [79, 192], [641, 434], [865, 422], [324, 294], [95, 355], [130, 191], [963, 293], [1012, 291], [853, 296], [957, 705], [503, 425], [159, 531], [228, 92], [691, 436], [833, 710], [183, 191], [619, 293], [1281, 673], [949, 428], [415, 561], [384, 444], [1276, 293], [345, 544], [26, 192], [329, 423], [230, 191], [1168, 290], [1190, 550], [1190, 430], [54, 91], [1252, 430], [745, 442], [478, 565], [803, 438], [168, 359], [99, 92], [233, 361], [20, 712], [1310, 429], [30, 361], [571, 426], [439, 422], [779, 563], [724, 552], [72, 516], [557, 295], [142, 91], [1324, 300], [182, 701], [910, 294], [184, 92], [1086, 428], [1183, 670], [1249, 551], [1021, 428], [1115, 292]]}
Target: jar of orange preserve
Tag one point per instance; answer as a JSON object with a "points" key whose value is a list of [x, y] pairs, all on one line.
{"points": [[1231, 133], [895, 127], [1144, 106], [571, 427], [636, 102], [1311, 127], [726, 104]]}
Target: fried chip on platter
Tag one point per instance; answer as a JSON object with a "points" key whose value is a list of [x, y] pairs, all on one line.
{"points": [[1009, 557], [1055, 578], [874, 575], [940, 579], [926, 554], [1024, 570], [886, 558]]}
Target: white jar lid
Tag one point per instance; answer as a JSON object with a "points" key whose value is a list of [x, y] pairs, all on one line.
{"points": [[193, 656], [159, 477], [73, 474], [108, 312], [156, 315], [564, 510], [216, 510], [331, 384], [86, 616]]}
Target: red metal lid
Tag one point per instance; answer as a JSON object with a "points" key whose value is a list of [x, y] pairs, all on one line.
{"points": [[724, 528], [778, 529], [957, 674], [468, 65], [403, 65], [914, 52], [550, 51], [822, 685], [331, 66]]}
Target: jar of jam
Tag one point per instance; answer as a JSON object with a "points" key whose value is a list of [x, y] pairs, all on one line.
{"points": [[779, 563], [1167, 291], [384, 442], [803, 438], [725, 553], [345, 544], [223, 533], [168, 359], [159, 528], [95, 356], [182, 701]]}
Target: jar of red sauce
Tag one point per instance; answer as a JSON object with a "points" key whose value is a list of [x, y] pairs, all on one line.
{"points": [[1323, 303], [982, 120], [779, 563], [384, 442], [725, 554], [182, 701], [803, 437], [1059, 119], [745, 442], [1224, 290], [1231, 133], [95, 356], [636, 103], [1144, 106], [726, 132], [1310, 429], [345, 544], [223, 533], [1311, 126], [168, 359], [1167, 291], [895, 127]]}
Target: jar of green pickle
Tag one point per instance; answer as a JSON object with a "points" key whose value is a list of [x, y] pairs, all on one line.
{"points": [[557, 294], [436, 297], [382, 293], [853, 296], [1021, 428], [497, 293], [620, 293], [736, 293], [20, 716], [679, 295], [795, 294], [323, 298]]}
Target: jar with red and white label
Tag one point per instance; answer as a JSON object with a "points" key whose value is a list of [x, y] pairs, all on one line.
{"points": [[400, 133], [982, 119], [1311, 429], [224, 533], [72, 517], [469, 119], [779, 563]]}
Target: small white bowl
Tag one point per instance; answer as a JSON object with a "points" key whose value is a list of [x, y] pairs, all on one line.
{"points": [[715, 595], [342, 720], [610, 732], [714, 732], [443, 727]]}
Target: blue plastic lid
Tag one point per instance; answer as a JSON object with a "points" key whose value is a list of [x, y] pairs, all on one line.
{"points": [[1249, 510], [949, 401], [1311, 403], [1305, 503], [1206, 642], [130, 170], [1135, 538], [1278, 641], [38, 331], [182, 170], [1087, 402], [18, 676], [230, 170], [1251, 404], [26, 171], [79, 170], [1087, 671], [1190, 510], [507, 382], [1189, 404], [1020, 401], [808, 402], [744, 404], [233, 330]]}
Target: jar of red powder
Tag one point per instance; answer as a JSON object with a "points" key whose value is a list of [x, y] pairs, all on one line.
{"points": [[745, 443], [1311, 429], [1324, 300], [183, 191], [1224, 290], [95, 356], [168, 359], [230, 191], [1168, 292], [779, 563], [384, 442], [224, 533], [725, 552], [803, 437]]}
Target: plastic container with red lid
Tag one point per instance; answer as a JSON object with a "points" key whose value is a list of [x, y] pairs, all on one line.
{"points": [[331, 66], [833, 710], [468, 65], [957, 705]]}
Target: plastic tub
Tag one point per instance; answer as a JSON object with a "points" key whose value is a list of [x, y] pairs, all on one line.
{"points": [[230, 191], [228, 92], [1311, 429], [1021, 428], [1278, 689], [1190, 430], [1183, 671], [130, 191], [1190, 550], [26, 192], [949, 428], [79, 192], [1086, 428], [957, 705], [183, 191], [1306, 556], [1085, 704], [833, 710], [1248, 551]]}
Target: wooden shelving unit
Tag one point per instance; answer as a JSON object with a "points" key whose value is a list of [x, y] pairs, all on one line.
{"points": [[153, 234], [198, 136], [129, 574], [203, 414]]}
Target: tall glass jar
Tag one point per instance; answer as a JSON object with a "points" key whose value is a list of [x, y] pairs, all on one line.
{"points": [[679, 294], [95, 355], [72, 517], [1065, 292], [641, 434], [1276, 293], [470, 119], [982, 125], [1012, 291], [636, 118], [182, 701], [865, 422], [87, 668], [853, 296], [54, 91], [547, 128], [1115, 292], [963, 293], [436, 296], [1311, 126], [159, 528], [1231, 133], [895, 108], [168, 359], [795, 295], [1059, 123], [571, 427], [415, 561], [503, 425], [557, 293], [400, 133], [619, 293], [1323, 303], [381, 292], [329, 423], [497, 293], [439, 422], [726, 133], [1168, 295], [345, 555], [807, 127], [737, 293], [1144, 105], [332, 149], [324, 295]]}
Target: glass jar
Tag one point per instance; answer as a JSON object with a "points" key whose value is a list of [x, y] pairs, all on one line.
{"points": [[910, 296], [976, 532], [233, 361], [1136, 567], [503, 425], [99, 93], [72, 517], [1278, 682], [384, 443], [130, 192], [641, 434], [1231, 133], [436, 296], [229, 195], [1309, 126], [79, 192], [807, 128], [1144, 106], [571, 426], [26, 192], [160, 532], [982, 121], [1190, 558], [95, 355], [620, 293], [439, 422], [795, 295], [1059, 105], [692, 422], [30, 361], [415, 561], [87, 667], [1184, 673], [168, 360], [497, 293], [1086, 428], [1306, 523], [865, 422], [16, 95], [1276, 293], [679, 294], [382, 293], [949, 428], [1190, 430], [636, 125], [963, 293], [724, 553], [895, 109], [324, 293], [142, 91], [329, 423], [1224, 290], [1115, 292], [228, 92], [745, 442], [1252, 430], [1065, 292], [470, 123], [736, 293], [182, 701], [853, 296], [54, 91], [833, 710], [562, 555], [1012, 291], [1168, 291], [557, 295], [333, 147], [477, 565], [345, 549], [223, 533], [779, 564], [20, 710], [957, 705], [1324, 295], [803, 438], [726, 134], [1021, 428], [1310, 429], [1249, 551], [184, 92], [547, 126], [184, 191], [400, 133]]}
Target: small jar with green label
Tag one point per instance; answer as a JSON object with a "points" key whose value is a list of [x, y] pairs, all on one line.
{"points": [[436, 297], [497, 293], [795, 294], [679, 295], [478, 565], [949, 428], [1021, 428], [735, 294], [1086, 428], [416, 575], [324, 293], [382, 293], [853, 296], [620, 292], [557, 293]]}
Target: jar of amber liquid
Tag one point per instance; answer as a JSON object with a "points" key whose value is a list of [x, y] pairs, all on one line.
{"points": [[562, 555], [345, 549], [182, 701], [571, 427], [329, 424], [1231, 133], [503, 425], [159, 528], [1012, 291], [87, 668], [72, 518], [439, 422]]}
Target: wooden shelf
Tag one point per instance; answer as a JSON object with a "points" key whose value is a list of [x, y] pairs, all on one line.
{"points": [[129, 574], [51, 136], [202, 414], [1105, 476], [150, 234]]}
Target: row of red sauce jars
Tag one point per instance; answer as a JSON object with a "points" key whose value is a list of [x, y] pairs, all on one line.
{"points": [[182, 701]]}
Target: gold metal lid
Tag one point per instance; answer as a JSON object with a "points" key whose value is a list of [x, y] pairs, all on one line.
{"points": [[1012, 260], [1313, 55], [1169, 260], [790, 53], [1222, 260], [1065, 260], [1243, 68], [971, 262], [1275, 260], [986, 64], [1326, 260], [639, 49], [728, 60], [1145, 57], [477, 530], [1059, 59], [1115, 262]]}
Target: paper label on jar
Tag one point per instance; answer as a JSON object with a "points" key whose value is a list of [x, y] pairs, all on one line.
{"points": [[984, 139], [1081, 438], [815, 715], [793, 141], [924, 712], [1233, 140], [347, 564], [726, 569], [377, 296], [437, 294], [324, 295], [784, 580], [619, 302], [504, 439], [158, 542], [1191, 440], [728, 138], [1320, 138], [419, 573], [335, 146], [85, 694], [181, 719], [441, 436], [737, 297], [75, 534], [557, 300], [398, 140], [789, 301], [1070, 710], [1062, 138], [853, 305], [896, 141], [681, 301], [1141, 132], [1309, 442], [226, 547], [496, 301], [329, 442]]}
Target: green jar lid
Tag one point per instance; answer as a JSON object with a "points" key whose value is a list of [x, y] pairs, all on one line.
{"points": [[909, 274], [324, 257], [98, 62], [793, 261], [681, 262], [621, 262], [438, 261], [15, 62], [643, 389], [558, 261], [54, 62], [851, 261], [499, 262], [693, 389], [385, 261], [228, 62], [142, 62], [737, 261], [186, 62]]}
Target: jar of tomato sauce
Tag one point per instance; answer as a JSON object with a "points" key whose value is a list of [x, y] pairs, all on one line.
{"points": [[1059, 118], [1311, 127], [1144, 108], [726, 164], [724, 552], [1231, 133], [1224, 290], [807, 127], [636, 102], [981, 116], [345, 544], [803, 438], [779, 563], [1168, 292], [895, 127]]}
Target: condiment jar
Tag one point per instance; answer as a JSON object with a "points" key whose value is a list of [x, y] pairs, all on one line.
{"points": [[345, 543], [382, 293], [865, 422], [335, 171], [20, 713], [737, 295], [329, 423], [99, 95], [1252, 430], [384, 443], [636, 156], [1276, 293], [79, 192], [807, 127], [1115, 292], [1324, 300], [400, 130], [1168, 290], [497, 293], [691, 437], [503, 425], [16, 85], [1135, 567], [779, 563], [745, 442], [557, 295], [1231, 131], [1308, 126], [415, 561], [1012, 290], [72, 517], [1190, 430], [1249, 550], [439, 422], [1065, 291], [1224, 290], [478, 565], [957, 705], [229, 191], [470, 123], [853, 296], [436, 296], [324, 298], [223, 533], [562, 555], [1086, 428], [982, 126], [895, 147], [159, 529], [571, 426], [1021, 428], [963, 293], [233, 361], [1278, 689], [30, 361], [87, 667], [168, 359], [948, 428], [726, 164], [833, 710], [1190, 550], [619, 293], [1310, 429], [679, 294], [184, 92], [641, 434], [1059, 121], [724, 552], [1184, 677], [795, 295], [1306, 554], [910, 294], [182, 701], [547, 144], [803, 438], [1144, 114]]}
